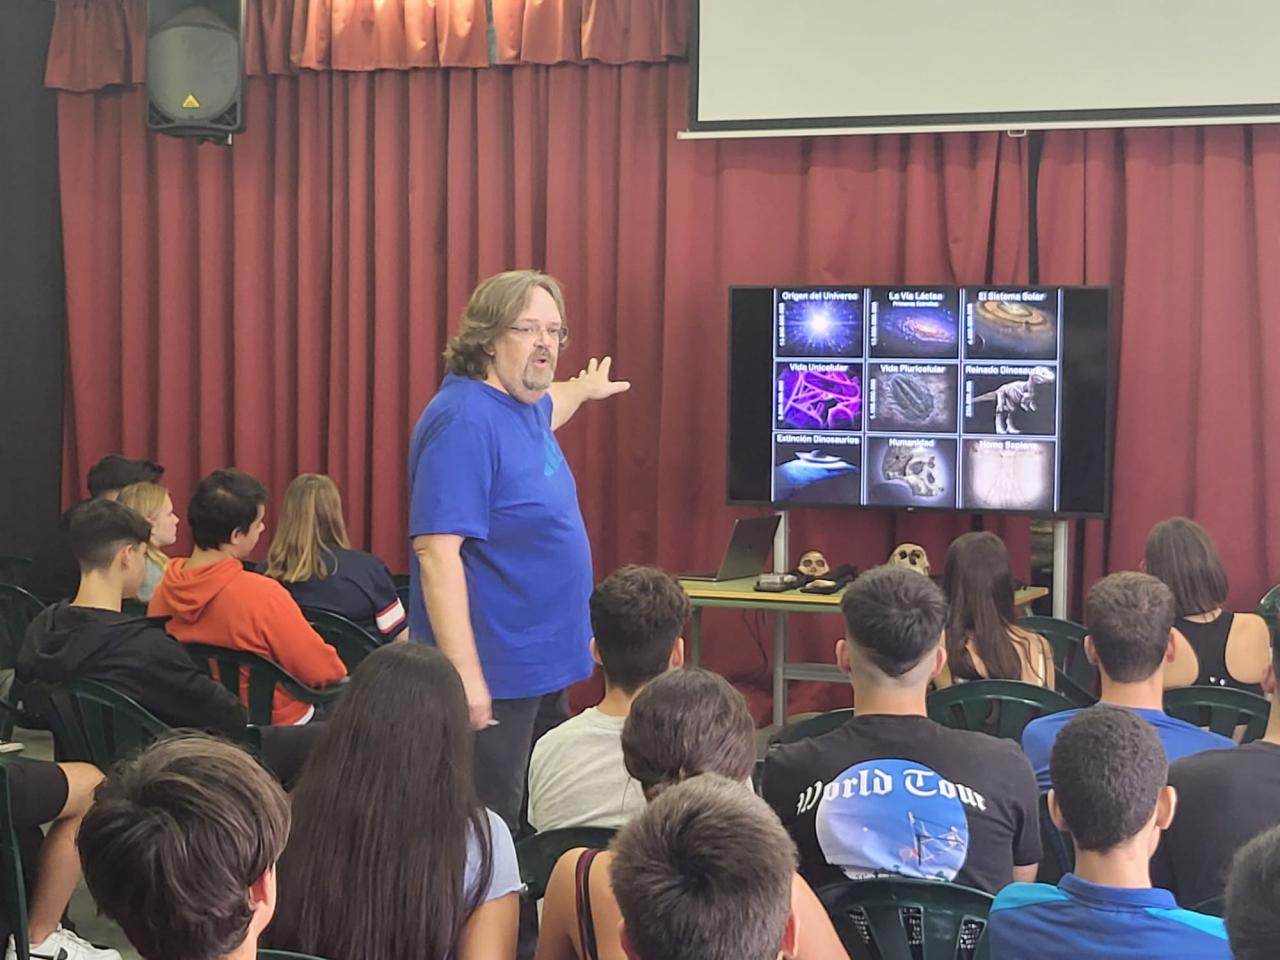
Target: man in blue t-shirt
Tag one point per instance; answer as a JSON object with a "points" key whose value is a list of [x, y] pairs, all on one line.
{"points": [[1110, 793], [501, 572], [1130, 621]]}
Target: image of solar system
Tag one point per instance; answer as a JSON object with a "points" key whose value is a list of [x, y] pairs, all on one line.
{"points": [[1011, 324], [809, 469], [1003, 474], [818, 395], [820, 323], [911, 397], [916, 323], [911, 471], [1010, 399]]}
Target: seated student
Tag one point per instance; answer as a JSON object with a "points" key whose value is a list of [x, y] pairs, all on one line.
{"points": [[54, 573], [1130, 620], [57, 794], [684, 888], [392, 856], [89, 638], [180, 847], [313, 560], [576, 775], [1212, 646], [1252, 920], [683, 724], [1108, 770], [1225, 798], [978, 792], [154, 504], [984, 641], [211, 598]]}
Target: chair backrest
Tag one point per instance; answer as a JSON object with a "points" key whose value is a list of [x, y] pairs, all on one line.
{"points": [[1059, 851], [1076, 678], [399, 580], [133, 607], [1213, 907], [999, 707], [895, 918], [352, 641], [261, 678], [538, 854], [285, 955], [1269, 606], [813, 726], [14, 570], [1220, 709], [402, 594], [93, 723], [17, 609], [13, 889]]}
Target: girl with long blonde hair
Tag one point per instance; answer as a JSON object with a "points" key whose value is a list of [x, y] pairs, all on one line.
{"points": [[312, 558], [153, 503]]}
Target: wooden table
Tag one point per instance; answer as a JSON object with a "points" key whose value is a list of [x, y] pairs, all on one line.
{"points": [[741, 595]]}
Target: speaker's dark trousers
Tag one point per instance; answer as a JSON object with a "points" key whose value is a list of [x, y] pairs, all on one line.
{"points": [[502, 752]]}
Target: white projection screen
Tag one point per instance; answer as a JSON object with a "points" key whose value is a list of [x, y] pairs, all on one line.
{"points": [[786, 67]]}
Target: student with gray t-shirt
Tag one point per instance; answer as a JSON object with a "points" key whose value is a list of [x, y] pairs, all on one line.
{"points": [[576, 774]]}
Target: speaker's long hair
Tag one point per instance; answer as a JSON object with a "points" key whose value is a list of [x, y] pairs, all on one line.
{"points": [[979, 588], [310, 528], [383, 816]]}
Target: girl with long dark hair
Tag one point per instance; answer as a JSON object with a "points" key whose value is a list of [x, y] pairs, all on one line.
{"points": [[391, 854], [984, 641]]}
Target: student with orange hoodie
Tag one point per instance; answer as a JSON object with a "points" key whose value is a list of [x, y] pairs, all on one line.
{"points": [[212, 599]]}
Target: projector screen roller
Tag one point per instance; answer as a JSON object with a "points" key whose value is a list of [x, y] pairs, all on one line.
{"points": [[857, 65], [974, 398]]}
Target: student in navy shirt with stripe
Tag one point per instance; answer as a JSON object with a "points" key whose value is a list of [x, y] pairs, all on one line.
{"points": [[312, 558], [1130, 621], [1110, 792]]}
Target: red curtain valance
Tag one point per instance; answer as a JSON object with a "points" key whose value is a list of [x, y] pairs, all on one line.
{"points": [[101, 43]]}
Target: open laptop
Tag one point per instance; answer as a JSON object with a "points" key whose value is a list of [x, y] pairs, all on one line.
{"points": [[749, 545]]}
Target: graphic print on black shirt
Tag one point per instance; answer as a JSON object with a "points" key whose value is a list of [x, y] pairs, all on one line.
{"points": [[907, 797]]}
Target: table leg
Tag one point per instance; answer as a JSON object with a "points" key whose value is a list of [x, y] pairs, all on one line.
{"points": [[695, 638], [779, 666]]}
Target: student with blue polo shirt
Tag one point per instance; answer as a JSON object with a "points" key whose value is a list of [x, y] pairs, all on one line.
{"points": [[1110, 792], [502, 571], [1130, 621]]}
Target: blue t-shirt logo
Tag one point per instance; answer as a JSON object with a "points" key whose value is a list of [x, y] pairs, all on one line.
{"points": [[554, 458]]}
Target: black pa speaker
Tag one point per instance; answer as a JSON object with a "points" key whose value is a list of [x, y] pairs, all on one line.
{"points": [[195, 67]]}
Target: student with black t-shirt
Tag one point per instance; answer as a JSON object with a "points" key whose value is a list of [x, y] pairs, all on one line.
{"points": [[1225, 798], [892, 792]]}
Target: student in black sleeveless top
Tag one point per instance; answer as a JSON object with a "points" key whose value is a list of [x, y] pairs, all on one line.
{"points": [[1213, 647]]}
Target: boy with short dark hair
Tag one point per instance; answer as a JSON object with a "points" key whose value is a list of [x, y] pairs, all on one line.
{"points": [[211, 599], [684, 887], [891, 791], [576, 773], [88, 638], [1252, 920], [180, 849], [1130, 620], [1109, 792]]}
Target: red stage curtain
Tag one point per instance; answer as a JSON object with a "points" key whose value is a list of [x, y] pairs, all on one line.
{"points": [[1176, 220], [101, 43], [282, 304]]}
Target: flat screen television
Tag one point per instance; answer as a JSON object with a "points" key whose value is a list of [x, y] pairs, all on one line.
{"points": [[974, 398]]}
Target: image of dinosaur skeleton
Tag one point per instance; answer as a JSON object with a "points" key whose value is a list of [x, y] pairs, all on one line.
{"points": [[1015, 396]]}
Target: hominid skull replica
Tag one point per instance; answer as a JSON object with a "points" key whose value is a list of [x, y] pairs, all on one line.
{"points": [[814, 564], [912, 556]]}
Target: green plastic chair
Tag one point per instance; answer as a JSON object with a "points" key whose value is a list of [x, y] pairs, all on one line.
{"points": [[1269, 606], [1213, 907], [17, 609], [896, 918], [264, 676], [93, 723], [1075, 677], [285, 955], [13, 889], [400, 580], [402, 594], [133, 607], [814, 726], [352, 641], [538, 854], [1220, 709], [999, 707], [14, 570], [1059, 850]]}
